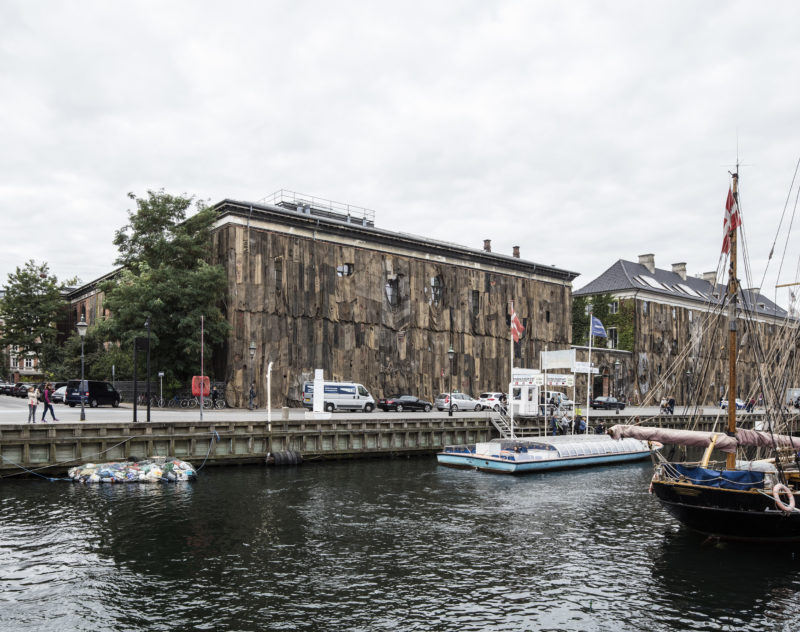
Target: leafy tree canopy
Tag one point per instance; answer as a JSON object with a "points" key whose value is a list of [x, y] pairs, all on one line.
{"points": [[30, 309], [166, 279]]}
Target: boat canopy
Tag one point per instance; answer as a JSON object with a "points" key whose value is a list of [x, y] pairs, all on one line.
{"points": [[563, 445], [702, 439]]}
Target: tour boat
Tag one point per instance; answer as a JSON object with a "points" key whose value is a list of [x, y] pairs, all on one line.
{"points": [[534, 454]]}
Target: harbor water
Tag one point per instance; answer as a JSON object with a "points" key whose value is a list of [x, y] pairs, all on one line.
{"points": [[398, 544]]}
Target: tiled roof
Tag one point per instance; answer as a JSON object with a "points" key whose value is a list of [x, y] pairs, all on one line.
{"points": [[625, 276]]}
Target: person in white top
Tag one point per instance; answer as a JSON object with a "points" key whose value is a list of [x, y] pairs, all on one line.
{"points": [[33, 402]]}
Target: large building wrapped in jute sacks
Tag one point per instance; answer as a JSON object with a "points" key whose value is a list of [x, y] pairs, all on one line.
{"points": [[316, 285]]}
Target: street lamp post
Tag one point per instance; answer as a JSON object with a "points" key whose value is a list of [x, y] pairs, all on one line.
{"points": [[450, 354], [147, 366], [252, 378], [616, 378], [82, 327]]}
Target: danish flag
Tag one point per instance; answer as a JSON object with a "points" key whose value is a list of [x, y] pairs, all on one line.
{"points": [[731, 222], [516, 326]]}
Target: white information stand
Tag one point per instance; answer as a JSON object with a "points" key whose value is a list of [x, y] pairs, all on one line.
{"points": [[318, 401]]}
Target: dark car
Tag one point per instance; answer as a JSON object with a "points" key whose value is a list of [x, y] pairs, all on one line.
{"points": [[94, 393], [607, 403], [21, 389], [7, 389], [404, 402]]}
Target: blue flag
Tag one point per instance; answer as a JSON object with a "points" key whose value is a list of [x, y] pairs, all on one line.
{"points": [[598, 331]]}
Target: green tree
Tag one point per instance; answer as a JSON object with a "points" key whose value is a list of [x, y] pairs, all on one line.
{"points": [[30, 309], [166, 278]]}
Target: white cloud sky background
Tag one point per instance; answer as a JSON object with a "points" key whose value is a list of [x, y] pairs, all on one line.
{"points": [[584, 132]]}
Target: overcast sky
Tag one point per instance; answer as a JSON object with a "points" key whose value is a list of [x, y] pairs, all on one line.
{"points": [[584, 132]]}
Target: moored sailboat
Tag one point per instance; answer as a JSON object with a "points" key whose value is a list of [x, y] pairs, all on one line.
{"points": [[738, 499]]}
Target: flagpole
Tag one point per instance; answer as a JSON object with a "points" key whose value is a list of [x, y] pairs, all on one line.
{"points": [[589, 371], [511, 372], [543, 364]]}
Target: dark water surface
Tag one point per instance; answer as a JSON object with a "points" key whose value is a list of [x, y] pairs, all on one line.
{"points": [[376, 545]]}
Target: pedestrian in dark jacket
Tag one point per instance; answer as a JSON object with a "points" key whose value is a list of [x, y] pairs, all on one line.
{"points": [[48, 402]]}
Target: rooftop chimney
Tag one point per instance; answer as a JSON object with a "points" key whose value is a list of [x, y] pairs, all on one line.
{"points": [[516, 251], [649, 262], [487, 245], [710, 277], [680, 269]]}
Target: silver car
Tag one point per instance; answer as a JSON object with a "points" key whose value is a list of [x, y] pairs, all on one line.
{"points": [[461, 401]]}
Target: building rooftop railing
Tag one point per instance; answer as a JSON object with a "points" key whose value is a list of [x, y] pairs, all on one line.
{"points": [[313, 205]]}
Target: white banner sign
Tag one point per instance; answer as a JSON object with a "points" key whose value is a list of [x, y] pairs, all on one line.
{"points": [[583, 367], [563, 359], [561, 380]]}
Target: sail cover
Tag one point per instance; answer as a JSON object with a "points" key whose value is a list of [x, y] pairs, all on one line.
{"points": [[702, 439]]}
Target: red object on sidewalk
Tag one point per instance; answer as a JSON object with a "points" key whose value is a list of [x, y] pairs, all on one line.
{"points": [[201, 382]]}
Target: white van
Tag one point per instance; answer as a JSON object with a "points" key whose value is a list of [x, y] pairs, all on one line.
{"points": [[340, 396]]}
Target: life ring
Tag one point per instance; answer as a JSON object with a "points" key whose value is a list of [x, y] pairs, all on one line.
{"points": [[779, 489]]}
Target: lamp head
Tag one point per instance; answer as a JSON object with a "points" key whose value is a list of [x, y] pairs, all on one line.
{"points": [[82, 327], [252, 349], [450, 353]]}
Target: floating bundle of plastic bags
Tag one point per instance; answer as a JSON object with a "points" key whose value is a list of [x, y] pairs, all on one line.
{"points": [[156, 470]]}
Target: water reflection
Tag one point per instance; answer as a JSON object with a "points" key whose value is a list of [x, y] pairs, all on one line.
{"points": [[400, 544]]}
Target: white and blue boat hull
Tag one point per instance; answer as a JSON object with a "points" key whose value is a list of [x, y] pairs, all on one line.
{"points": [[520, 456]]}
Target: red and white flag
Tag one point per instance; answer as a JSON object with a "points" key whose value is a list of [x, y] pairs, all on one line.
{"points": [[516, 326], [731, 222]]}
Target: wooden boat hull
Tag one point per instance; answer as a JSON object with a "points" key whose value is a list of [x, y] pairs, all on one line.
{"points": [[729, 514]]}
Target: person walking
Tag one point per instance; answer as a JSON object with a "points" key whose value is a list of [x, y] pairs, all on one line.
{"points": [[48, 402], [33, 403]]}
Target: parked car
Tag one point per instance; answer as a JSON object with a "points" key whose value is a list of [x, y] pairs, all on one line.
{"points": [[21, 389], [6, 389], [461, 401], [58, 395], [491, 401], [94, 393], [403, 402], [607, 403], [739, 404], [561, 400]]}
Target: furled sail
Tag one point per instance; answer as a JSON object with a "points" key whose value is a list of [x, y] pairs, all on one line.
{"points": [[698, 438]]}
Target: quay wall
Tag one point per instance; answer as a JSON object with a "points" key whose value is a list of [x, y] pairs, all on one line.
{"points": [[55, 447]]}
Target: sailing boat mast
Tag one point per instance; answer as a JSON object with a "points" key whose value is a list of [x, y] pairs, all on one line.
{"points": [[732, 293]]}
